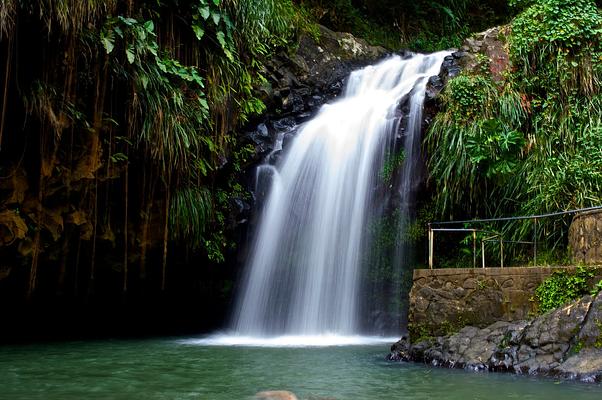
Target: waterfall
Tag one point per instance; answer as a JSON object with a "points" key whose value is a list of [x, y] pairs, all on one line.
{"points": [[305, 270]]}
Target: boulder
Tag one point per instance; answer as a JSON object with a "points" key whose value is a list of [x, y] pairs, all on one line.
{"points": [[275, 395]]}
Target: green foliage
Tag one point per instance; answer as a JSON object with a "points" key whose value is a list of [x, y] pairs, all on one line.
{"points": [[420, 26], [529, 144], [186, 115], [210, 15], [216, 242], [567, 25], [562, 287], [419, 333], [263, 25], [597, 289], [494, 148], [475, 141], [468, 97], [69, 16], [190, 211], [566, 173], [172, 120], [391, 165]]}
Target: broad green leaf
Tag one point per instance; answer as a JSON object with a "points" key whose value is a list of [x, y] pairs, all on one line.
{"points": [[129, 53], [203, 168], [149, 26], [198, 31], [216, 17], [204, 103], [161, 65], [205, 13], [221, 38], [128, 21], [228, 22], [144, 80], [108, 43]]}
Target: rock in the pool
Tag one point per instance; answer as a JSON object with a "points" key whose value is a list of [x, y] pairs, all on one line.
{"points": [[275, 395]]}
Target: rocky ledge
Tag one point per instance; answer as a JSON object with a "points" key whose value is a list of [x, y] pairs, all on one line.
{"points": [[564, 343]]}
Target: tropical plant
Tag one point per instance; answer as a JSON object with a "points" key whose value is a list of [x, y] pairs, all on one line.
{"points": [[529, 144]]}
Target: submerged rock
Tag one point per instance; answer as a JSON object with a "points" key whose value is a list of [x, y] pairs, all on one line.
{"points": [[566, 342], [275, 395]]}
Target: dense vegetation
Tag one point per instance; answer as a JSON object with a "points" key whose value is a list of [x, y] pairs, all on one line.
{"points": [[562, 287], [529, 141], [416, 25], [119, 153]]}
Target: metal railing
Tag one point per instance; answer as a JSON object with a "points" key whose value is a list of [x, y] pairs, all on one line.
{"points": [[491, 235]]}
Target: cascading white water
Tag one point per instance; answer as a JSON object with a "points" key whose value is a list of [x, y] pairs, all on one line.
{"points": [[303, 275]]}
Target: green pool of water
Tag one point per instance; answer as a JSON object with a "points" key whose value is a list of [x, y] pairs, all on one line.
{"points": [[177, 369]]}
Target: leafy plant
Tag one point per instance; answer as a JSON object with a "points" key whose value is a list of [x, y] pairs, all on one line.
{"points": [[529, 144], [562, 287], [391, 165], [597, 288], [190, 212]]}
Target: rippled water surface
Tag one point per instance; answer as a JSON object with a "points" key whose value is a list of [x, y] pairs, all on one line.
{"points": [[185, 368]]}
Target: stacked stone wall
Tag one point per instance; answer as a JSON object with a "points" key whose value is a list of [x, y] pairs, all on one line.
{"points": [[442, 301]]}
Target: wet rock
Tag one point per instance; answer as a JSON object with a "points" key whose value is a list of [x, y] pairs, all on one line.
{"points": [[276, 395], [302, 82], [284, 124], [585, 366], [492, 45], [262, 131], [566, 342], [483, 50], [434, 87], [400, 351], [239, 205]]}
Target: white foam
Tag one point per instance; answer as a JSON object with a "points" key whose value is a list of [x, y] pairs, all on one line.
{"points": [[327, 340]]}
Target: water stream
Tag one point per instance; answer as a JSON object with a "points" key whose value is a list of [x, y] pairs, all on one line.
{"points": [[304, 275]]}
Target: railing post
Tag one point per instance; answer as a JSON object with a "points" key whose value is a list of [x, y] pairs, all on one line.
{"points": [[534, 242], [431, 245], [474, 248], [501, 252], [482, 254]]}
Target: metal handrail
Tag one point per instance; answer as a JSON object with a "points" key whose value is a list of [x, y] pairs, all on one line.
{"points": [[474, 221], [495, 235]]}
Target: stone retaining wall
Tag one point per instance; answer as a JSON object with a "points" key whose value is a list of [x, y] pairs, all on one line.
{"points": [[442, 301]]}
